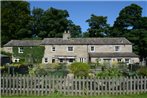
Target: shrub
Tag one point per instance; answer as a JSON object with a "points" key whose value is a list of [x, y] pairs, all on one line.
{"points": [[79, 69], [109, 72], [48, 69], [6, 53], [142, 71]]}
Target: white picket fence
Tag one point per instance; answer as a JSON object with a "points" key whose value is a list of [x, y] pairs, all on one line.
{"points": [[46, 85]]}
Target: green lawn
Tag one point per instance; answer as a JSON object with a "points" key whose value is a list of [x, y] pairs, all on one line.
{"points": [[61, 96]]}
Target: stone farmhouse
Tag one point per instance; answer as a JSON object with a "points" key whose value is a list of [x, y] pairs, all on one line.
{"points": [[68, 50]]}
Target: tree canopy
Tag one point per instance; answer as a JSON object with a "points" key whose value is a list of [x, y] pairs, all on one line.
{"points": [[98, 26], [19, 22], [133, 26], [15, 17]]}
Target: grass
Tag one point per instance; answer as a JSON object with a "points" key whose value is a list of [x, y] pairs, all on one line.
{"points": [[62, 96]]}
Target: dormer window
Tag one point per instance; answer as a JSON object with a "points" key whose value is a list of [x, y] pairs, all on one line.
{"points": [[117, 48], [20, 49], [92, 48]]}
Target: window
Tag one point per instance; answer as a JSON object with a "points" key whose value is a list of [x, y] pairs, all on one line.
{"points": [[16, 60], [61, 60], [45, 60], [53, 60], [70, 48], [71, 60], [118, 60], [92, 48], [53, 49], [127, 61], [82, 59], [117, 48], [20, 50]]}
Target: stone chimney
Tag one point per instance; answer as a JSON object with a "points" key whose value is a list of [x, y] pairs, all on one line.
{"points": [[66, 35]]}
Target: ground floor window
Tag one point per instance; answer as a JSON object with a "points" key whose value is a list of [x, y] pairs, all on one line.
{"points": [[16, 60], [53, 60], [71, 60], [118, 60], [127, 61], [82, 59], [61, 60]]}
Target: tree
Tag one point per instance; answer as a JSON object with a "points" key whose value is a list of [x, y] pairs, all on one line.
{"points": [[98, 26], [139, 39], [129, 17], [75, 30], [133, 26], [36, 24], [14, 20], [54, 22]]}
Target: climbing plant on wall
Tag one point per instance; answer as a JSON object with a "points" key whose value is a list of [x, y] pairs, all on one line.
{"points": [[30, 54]]}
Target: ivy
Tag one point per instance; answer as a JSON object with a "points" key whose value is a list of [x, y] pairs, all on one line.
{"points": [[30, 54]]}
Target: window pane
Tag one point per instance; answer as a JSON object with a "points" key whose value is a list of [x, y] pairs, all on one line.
{"points": [[46, 60], [20, 50], [53, 48], [70, 48], [117, 48], [92, 48]]}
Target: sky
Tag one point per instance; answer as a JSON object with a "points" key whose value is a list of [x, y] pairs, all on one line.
{"points": [[80, 11]]}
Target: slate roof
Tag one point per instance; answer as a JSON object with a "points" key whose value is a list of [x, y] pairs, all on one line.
{"points": [[23, 43], [86, 41], [71, 41], [122, 54]]}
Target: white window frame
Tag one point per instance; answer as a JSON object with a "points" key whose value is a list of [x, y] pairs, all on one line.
{"points": [[119, 59], [128, 61], [20, 49], [72, 49], [45, 60], [82, 59], [118, 49], [93, 49], [16, 60], [53, 50]]}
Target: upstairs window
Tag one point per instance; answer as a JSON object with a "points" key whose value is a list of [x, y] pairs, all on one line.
{"points": [[70, 49], [46, 60], [92, 48], [20, 50], [117, 48], [53, 49]]}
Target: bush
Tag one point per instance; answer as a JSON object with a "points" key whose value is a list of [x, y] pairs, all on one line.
{"points": [[48, 69], [109, 72], [79, 69], [142, 71], [6, 53]]}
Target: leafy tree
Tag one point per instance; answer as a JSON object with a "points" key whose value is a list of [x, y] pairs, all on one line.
{"points": [[129, 17], [85, 34], [98, 26], [36, 24], [54, 22], [75, 30], [14, 20], [132, 25]]}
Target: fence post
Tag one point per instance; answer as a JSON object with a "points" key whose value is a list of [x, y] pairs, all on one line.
{"points": [[20, 87], [2, 84]]}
